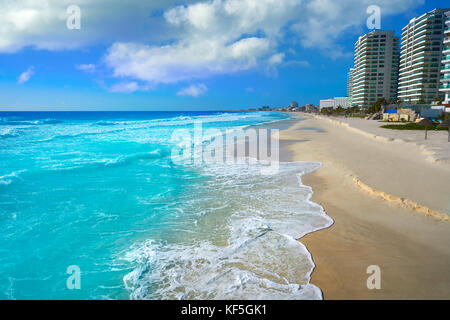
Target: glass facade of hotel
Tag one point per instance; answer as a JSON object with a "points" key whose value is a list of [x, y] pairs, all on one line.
{"points": [[375, 71], [420, 58], [445, 68]]}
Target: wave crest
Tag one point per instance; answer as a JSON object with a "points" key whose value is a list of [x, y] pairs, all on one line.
{"points": [[6, 122]]}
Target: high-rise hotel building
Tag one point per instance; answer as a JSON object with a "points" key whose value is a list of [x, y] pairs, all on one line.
{"points": [[420, 58], [375, 71], [445, 69]]}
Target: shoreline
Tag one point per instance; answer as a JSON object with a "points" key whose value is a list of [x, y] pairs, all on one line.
{"points": [[409, 247]]}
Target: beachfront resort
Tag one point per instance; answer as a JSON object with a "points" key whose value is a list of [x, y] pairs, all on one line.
{"points": [[406, 83], [398, 79]]}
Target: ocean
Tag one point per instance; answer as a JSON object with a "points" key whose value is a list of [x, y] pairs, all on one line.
{"points": [[99, 193]]}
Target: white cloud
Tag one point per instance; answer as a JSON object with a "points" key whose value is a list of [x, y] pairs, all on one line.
{"points": [[228, 36], [317, 23], [276, 59], [194, 41], [125, 87], [42, 23], [296, 63], [185, 60], [26, 75], [324, 21], [193, 90], [216, 37], [88, 68]]}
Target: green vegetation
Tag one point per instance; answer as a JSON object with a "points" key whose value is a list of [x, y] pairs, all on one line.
{"points": [[412, 126], [376, 107], [325, 111], [391, 121], [439, 100], [340, 111]]}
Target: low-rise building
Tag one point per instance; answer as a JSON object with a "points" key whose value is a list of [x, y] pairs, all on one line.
{"points": [[328, 103], [343, 102], [400, 115]]}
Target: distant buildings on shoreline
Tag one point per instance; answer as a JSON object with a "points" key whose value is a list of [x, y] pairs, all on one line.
{"points": [[293, 107], [343, 102]]}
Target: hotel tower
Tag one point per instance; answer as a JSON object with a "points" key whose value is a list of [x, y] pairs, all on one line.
{"points": [[420, 58], [375, 71], [445, 69]]}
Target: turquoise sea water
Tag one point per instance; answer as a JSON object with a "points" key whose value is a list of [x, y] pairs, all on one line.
{"points": [[99, 190]]}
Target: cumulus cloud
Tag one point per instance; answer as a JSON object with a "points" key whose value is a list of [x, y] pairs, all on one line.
{"points": [[315, 23], [276, 59], [194, 90], [185, 60], [26, 75], [41, 24], [193, 41], [228, 36], [215, 37]]}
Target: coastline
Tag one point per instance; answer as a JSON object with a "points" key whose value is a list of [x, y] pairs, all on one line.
{"points": [[410, 247]]}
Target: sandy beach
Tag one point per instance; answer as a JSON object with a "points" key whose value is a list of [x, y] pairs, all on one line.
{"points": [[389, 197]]}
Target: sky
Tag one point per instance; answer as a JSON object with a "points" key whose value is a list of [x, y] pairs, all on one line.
{"points": [[183, 55]]}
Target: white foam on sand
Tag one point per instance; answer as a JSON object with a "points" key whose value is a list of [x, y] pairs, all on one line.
{"points": [[246, 249]]}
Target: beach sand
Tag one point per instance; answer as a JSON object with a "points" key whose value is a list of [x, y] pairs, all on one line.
{"points": [[411, 247]]}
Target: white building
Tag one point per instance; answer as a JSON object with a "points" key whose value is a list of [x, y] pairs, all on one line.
{"points": [[445, 71], [343, 102], [375, 71], [329, 103], [420, 57]]}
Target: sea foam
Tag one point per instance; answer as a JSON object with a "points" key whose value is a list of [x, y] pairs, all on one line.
{"points": [[257, 256]]}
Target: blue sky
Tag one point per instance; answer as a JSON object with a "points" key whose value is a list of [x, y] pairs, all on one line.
{"points": [[192, 55]]}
